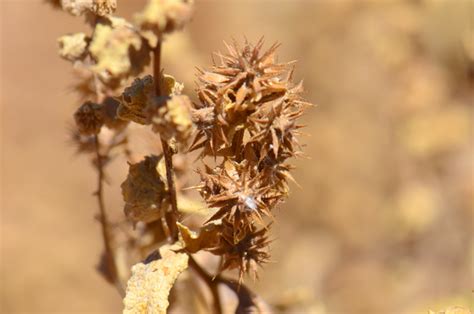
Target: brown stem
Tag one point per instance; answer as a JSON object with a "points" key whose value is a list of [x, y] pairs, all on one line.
{"points": [[247, 298], [104, 223], [210, 281], [172, 217]]}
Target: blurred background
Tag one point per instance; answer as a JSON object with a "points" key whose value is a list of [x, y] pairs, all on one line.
{"points": [[383, 221]]}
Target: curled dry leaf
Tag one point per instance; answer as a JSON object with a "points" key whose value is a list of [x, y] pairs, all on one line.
{"points": [[150, 284], [144, 191], [73, 47], [135, 100], [205, 239], [140, 104]]}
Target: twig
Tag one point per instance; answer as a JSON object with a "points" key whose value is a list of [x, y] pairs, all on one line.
{"points": [[104, 223], [172, 217], [247, 298], [211, 282]]}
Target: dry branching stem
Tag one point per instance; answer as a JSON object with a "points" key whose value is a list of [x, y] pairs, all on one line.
{"points": [[212, 283], [172, 217], [104, 223]]}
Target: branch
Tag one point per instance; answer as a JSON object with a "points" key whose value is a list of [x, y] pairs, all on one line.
{"points": [[211, 282], [171, 218], [104, 223]]}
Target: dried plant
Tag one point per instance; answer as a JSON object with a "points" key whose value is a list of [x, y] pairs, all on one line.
{"points": [[245, 123]]}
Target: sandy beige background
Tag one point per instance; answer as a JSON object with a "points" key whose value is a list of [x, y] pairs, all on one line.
{"points": [[383, 223]]}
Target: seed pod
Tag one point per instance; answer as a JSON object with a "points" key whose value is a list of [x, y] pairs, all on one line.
{"points": [[244, 248], [239, 192], [89, 118], [252, 100], [163, 16]]}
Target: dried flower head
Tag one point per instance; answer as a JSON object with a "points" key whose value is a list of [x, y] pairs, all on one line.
{"points": [[163, 16], [118, 50], [73, 47], [98, 7], [144, 191], [173, 120], [89, 118]]}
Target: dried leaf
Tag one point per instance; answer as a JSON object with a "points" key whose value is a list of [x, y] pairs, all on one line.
{"points": [[205, 239], [150, 284], [144, 191], [135, 100]]}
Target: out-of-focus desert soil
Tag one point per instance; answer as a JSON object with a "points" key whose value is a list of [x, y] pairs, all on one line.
{"points": [[383, 222]]}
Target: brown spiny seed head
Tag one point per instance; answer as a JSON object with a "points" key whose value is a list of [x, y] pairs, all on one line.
{"points": [[203, 118], [135, 100], [239, 192], [89, 118], [274, 127], [173, 120], [163, 16], [245, 248], [252, 96], [144, 191]]}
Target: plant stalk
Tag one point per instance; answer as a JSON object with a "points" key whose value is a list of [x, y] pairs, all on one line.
{"points": [[104, 222], [172, 217], [211, 282]]}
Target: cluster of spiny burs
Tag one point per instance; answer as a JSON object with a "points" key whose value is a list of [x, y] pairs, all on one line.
{"points": [[247, 126]]}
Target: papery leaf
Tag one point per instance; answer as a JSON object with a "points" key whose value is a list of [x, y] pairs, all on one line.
{"points": [[150, 284], [206, 238]]}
